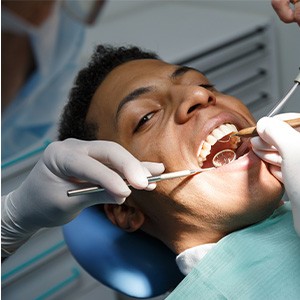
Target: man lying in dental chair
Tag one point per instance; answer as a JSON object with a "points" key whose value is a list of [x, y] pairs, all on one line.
{"points": [[233, 235]]}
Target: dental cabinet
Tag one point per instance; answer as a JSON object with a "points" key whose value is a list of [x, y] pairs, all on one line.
{"points": [[237, 52]]}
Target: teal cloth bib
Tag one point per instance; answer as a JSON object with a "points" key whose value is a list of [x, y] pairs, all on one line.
{"points": [[259, 262]]}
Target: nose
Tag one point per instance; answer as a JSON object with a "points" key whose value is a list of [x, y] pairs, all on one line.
{"points": [[190, 100]]}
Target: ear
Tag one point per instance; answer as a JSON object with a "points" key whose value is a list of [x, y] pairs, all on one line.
{"points": [[125, 216]]}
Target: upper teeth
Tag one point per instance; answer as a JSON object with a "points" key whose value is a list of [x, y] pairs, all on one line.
{"points": [[212, 138]]}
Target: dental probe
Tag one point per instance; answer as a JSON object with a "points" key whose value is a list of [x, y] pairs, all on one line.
{"points": [[151, 179], [273, 111], [279, 105], [251, 131]]}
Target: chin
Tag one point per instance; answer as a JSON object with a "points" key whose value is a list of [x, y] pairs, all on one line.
{"points": [[262, 197], [239, 195]]}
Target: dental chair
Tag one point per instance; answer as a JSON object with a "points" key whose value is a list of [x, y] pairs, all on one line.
{"points": [[133, 264]]}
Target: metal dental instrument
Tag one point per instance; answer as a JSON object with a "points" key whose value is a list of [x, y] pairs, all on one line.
{"points": [[151, 179], [279, 105], [273, 111]]}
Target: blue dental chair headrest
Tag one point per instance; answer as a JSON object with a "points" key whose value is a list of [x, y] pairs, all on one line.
{"points": [[134, 264]]}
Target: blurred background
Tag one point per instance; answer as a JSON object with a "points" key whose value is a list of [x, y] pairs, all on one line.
{"points": [[286, 43]]}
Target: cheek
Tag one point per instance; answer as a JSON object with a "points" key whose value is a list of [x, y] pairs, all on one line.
{"points": [[146, 150], [238, 106], [242, 109], [157, 149]]}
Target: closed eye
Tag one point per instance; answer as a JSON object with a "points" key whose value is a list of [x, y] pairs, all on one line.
{"points": [[143, 121]]}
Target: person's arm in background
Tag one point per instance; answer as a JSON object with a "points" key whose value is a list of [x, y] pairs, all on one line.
{"points": [[279, 145], [42, 201], [285, 12]]}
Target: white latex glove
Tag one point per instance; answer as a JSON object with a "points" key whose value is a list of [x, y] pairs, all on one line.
{"points": [[42, 201], [279, 145]]}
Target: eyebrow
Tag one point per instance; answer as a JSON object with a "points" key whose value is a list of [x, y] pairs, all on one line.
{"points": [[180, 71], [135, 94]]}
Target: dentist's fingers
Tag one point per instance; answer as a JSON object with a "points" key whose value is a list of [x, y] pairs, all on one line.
{"points": [[90, 170], [259, 144], [297, 13], [273, 158], [283, 10], [82, 201], [287, 116], [276, 171], [118, 158], [277, 133], [134, 171], [154, 168], [98, 162], [69, 159], [150, 186]]}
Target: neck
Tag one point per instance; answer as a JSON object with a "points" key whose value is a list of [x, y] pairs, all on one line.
{"points": [[192, 239], [180, 236], [17, 64]]}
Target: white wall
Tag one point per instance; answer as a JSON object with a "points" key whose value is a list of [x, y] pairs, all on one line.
{"points": [[288, 34]]}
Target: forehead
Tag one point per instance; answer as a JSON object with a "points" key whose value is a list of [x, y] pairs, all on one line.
{"points": [[134, 74]]}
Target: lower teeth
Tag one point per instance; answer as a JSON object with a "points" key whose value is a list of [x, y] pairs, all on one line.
{"points": [[224, 157]]}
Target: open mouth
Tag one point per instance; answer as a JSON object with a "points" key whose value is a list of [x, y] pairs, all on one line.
{"points": [[219, 148]]}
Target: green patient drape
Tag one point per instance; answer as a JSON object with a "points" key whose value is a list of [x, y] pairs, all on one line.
{"points": [[259, 262]]}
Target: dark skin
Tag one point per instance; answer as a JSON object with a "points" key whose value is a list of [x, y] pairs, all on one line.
{"points": [[162, 113]]}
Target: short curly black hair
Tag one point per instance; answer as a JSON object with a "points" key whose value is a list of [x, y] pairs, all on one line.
{"points": [[105, 58]]}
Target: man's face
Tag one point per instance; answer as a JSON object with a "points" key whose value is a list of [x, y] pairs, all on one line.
{"points": [[164, 113]]}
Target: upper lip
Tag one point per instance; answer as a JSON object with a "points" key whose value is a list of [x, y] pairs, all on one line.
{"points": [[215, 122]]}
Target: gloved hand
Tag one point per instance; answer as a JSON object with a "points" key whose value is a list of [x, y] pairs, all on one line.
{"points": [[279, 145], [286, 11], [42, 201]]}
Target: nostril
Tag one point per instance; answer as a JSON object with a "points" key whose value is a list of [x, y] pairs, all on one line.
{"points": [[192, 108], [210, 100]]}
